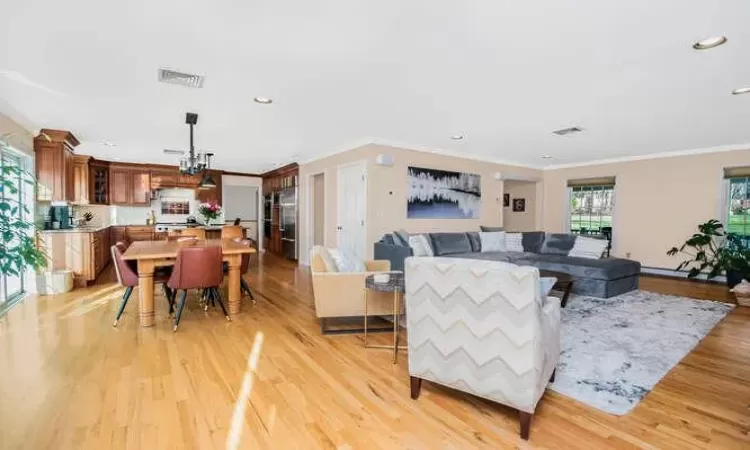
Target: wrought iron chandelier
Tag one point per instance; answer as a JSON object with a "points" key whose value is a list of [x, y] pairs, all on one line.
{"points": [[193, 162]]}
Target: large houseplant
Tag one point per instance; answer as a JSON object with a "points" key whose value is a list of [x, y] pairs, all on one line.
{"points": [[714, 252], [18, 249]]}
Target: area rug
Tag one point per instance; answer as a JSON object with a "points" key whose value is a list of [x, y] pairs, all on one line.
{"points": [[614, 351]]}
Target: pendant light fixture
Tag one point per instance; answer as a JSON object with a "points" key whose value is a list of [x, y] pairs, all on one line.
{"points": [[208, 181], [193, 163]]}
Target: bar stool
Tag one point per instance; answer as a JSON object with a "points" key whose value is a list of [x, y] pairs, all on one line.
{"points": [[127, 275], [198, 268]]}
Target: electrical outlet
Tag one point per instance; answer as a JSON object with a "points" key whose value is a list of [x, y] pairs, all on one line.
{"points": [[627, 255]]}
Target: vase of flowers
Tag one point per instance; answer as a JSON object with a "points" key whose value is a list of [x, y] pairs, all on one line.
{"points": [[209, 211]]}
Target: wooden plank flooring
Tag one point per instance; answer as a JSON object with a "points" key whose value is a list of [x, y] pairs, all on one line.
{"points": [[68, 379]]}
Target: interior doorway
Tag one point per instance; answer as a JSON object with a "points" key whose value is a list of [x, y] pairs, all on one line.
{"points": [[520, 212], [318, 208]]}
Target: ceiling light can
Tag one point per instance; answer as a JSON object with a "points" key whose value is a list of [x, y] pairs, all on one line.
{"points": [[742, 90], [263, 100], [711, 42], [457, 137]]}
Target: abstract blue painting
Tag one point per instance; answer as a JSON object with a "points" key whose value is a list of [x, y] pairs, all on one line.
{"points": [[442, 194]]}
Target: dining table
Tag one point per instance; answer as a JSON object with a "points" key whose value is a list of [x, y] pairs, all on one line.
{"points": [[152, 254]]}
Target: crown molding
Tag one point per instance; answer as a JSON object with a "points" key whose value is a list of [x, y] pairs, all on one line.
{"points": [[672, 154], [419, 148]]}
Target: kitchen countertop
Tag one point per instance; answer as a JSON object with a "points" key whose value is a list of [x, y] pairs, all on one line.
{"points": [[91, 229]]}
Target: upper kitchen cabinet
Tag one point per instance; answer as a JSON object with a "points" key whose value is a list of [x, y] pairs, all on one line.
{"points": [[129, 185], [55, 165], [206, 195], [189, 181], [164, 178], [81, 191], [98, 182]]}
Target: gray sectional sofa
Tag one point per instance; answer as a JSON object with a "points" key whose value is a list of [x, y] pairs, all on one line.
{"points": [[601, 278]]}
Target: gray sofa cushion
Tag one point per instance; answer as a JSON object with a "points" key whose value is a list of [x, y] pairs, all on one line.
{"points": [[476, 243], [450, 243], [532, 241], [598, 269], [490, 229], [558, 243], [387, 239], [484, 256], [401, 238]]}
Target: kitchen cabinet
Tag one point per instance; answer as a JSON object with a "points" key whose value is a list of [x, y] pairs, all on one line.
{"points": [[55, 166], [164, 178], [189, 181], [140, 233], [118, 234], [86, 253], [273, 183], [211, 194], [81, 189], [98, 182], [129, 185]]}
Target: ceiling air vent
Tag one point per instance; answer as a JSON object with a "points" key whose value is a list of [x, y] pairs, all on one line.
{"points": [[567, 131], [173, 152], [183, 79]]}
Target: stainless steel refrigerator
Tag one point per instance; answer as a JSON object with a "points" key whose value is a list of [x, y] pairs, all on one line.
{"points": [[288, 221]]}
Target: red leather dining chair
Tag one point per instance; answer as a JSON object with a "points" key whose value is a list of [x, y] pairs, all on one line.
{"points": [[127, 275], [198, 268], [244, 265]]}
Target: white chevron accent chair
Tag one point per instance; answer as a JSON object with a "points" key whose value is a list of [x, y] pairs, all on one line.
{"points": [[482, 327], [341, 295]]}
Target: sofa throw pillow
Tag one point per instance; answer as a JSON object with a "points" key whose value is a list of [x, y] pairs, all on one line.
{"points": [[401, 238], [420, 245], [490, 229], [346, 262], [493, 241], [513, 242], [546, 284], [586, 247]]}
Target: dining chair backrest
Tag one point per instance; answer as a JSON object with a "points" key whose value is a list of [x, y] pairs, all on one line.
{"points": [[126, 276], [231, 232], [197, 267], [199, 233], [245, 264]]}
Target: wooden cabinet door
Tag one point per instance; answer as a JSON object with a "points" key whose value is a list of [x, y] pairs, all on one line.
{"points": [[137, 233], [164, 178], [212, 194], [98, 183], [189, 181], [118, 234], [141, 187], [68, 181], [120, 186], [81, 180]]}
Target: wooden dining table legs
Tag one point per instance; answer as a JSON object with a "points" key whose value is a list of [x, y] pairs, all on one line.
{"points": [[233, 283], [146, 292]]}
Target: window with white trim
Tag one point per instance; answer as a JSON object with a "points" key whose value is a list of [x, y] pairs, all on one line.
{"points": [[737, 219], [592, 204]]}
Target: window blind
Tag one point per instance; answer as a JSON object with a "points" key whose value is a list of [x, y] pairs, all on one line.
{"points": [[597, 181], [736, 172]]}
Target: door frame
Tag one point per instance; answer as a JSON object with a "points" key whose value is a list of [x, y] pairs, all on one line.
{"points": [[310, 214], [362, 163], [538, 197]]}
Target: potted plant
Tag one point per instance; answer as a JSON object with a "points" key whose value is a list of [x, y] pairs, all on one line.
{"points": [[714, 252], [18, 249], [209, 211]]}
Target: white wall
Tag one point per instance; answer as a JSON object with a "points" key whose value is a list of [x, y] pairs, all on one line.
{"points": [[237, 180]]}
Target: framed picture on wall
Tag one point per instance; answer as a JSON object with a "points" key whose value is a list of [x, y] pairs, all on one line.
{"points": [[506, 200], [519, 204], [442, 194]]}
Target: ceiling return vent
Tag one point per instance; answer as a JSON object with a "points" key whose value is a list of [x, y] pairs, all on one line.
{"points": [[181, 78], [168, 151], [568, 131]]}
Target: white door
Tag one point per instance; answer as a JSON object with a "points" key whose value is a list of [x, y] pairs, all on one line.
{"points": [[352, 195]]}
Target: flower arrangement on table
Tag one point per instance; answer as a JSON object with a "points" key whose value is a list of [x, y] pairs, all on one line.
{"points": [[210, 211]]}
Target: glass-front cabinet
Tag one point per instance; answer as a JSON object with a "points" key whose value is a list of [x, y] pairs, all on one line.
{"points": [[99, 183]]}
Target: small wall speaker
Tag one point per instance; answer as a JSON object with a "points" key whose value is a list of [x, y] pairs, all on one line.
{"points": [[384, 159]]}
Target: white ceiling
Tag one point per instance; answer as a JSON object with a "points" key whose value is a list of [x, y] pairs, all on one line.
{"points": [[502, 73]]}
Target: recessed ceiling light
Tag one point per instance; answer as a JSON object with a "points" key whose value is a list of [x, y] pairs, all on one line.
{"points": [[109, 144], [262, 100], [457, 137], [742, 90], [705, 44], [545, 156]]}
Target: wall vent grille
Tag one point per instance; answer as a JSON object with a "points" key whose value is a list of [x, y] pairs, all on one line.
{"points": [[181, 78], [567, 131]]}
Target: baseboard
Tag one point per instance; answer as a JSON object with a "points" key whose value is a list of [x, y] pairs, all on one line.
{"points": [[682, 274]]}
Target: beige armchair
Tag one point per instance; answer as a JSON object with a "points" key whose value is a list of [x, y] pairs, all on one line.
{"points": [[482, 327], [342, 294]]}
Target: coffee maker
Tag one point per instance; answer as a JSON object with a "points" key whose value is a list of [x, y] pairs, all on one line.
{"points": [[58, 218]]}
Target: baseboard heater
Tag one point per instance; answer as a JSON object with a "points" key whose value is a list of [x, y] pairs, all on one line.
{"points": [[679, 274]]}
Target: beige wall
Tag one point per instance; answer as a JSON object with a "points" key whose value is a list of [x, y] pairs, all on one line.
{"points": [[386, 192], [658, 202], [319, 208], [16, 135], [520, 221]]}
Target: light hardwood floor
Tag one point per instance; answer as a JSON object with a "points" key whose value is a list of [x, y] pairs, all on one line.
{"points": [[68, 379]]}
